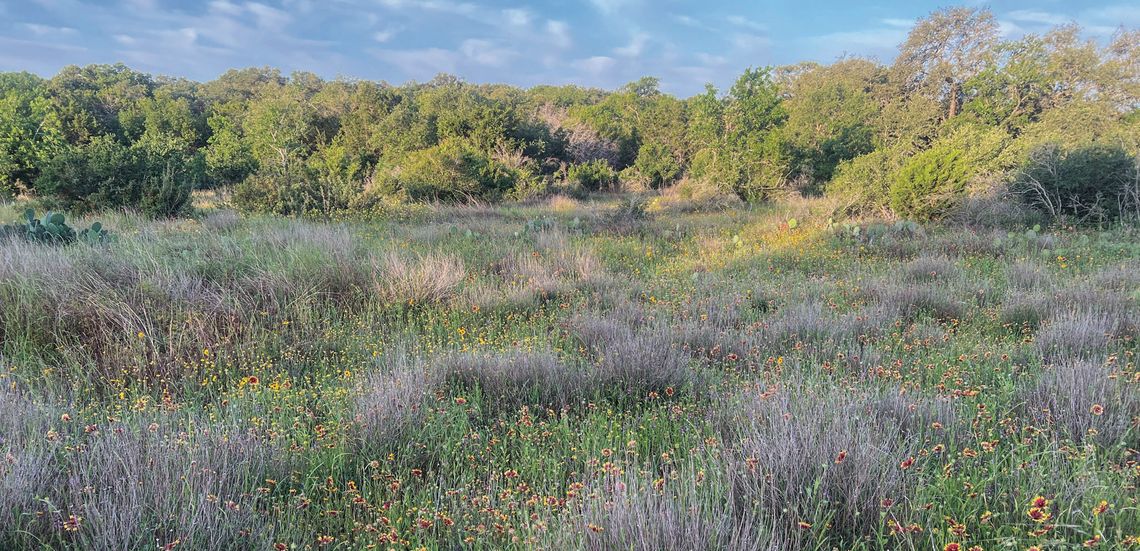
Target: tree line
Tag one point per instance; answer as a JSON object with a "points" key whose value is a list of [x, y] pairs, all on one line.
{"points": [[1052, 117]]}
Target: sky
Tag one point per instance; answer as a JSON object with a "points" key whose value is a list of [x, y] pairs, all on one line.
{"points": [[602, 43]]}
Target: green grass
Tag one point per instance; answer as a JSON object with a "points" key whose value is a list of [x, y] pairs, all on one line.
{"points": [[211, 377]]}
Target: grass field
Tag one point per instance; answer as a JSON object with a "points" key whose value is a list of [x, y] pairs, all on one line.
{"points": [[570, 375]]}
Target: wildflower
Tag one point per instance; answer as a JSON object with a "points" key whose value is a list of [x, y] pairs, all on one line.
{"points": [[1097, 409], [804, 525], [952, 547], [1038, 514], [459, 400], [887, 502], [72, 523], [65, 417], [325, 540], [280, 547], [1039, 501], [1100, 508], [839, 458], [907, 463], [1095, 541], [669, 391], [595, 528]]}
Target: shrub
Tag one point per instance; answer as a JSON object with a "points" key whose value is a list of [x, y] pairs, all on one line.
{"points": [[656, 166], [450, 171], [864, 182], [105, 174], [1089, 183], [594, 175], [270, 191], [929, 183]]}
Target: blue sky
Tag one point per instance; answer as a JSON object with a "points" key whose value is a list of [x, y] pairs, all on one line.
{"points": [[601, 43]]}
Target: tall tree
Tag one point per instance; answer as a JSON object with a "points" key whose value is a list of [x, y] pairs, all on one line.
{"points": [[943, 51]]}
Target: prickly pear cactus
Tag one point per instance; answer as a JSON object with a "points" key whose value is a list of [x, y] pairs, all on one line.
{"points": [[52, 229]]}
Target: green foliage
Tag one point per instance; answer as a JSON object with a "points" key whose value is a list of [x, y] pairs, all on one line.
{"points": [[656, 167], [106, 136], [229, 158], [594, 175], [107, 174], [452, 171], [929, 183], [52, 229], [831, 117], [1093, 183]]}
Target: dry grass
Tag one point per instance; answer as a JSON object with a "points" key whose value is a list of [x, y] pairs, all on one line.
{"points": [[427, 278], [508, 381], [1085, 401], [930, 269], [1077, 334], [634, 361], [632, 514], [221, 221], [910, 301], [1028, 276], [390, 400], [790, 455]]}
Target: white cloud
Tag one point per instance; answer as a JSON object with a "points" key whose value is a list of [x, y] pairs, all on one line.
{"points": [[268, 17], [517, 17], [485, 52], [635, 47], [1127, 15], [896, 22], [48, 30], [559, 33], [384, 35], [421, 64], [860, 41], [611, 6], [741, 21], [1039, 17], [595, 65]]}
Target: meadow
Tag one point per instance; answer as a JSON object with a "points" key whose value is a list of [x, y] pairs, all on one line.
{"points": [[599, 373]]}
